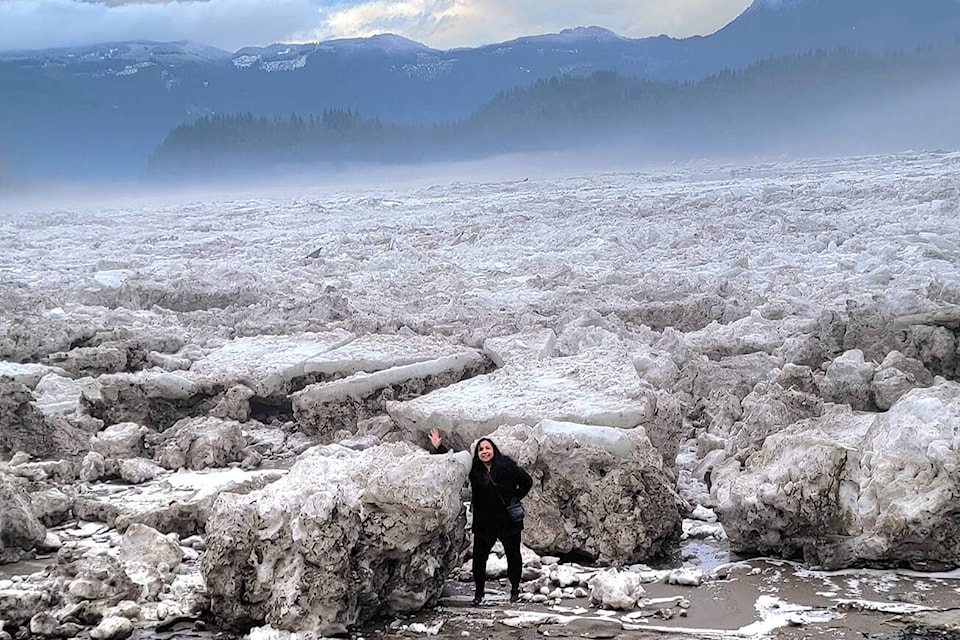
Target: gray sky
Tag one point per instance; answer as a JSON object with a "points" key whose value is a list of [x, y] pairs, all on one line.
{"points": [[231, 24]]}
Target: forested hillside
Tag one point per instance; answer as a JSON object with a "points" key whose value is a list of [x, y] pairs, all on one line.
{"points": [[850, 101]]}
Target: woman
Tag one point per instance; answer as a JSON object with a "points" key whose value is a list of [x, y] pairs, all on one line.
{"points": [[495, 481]]}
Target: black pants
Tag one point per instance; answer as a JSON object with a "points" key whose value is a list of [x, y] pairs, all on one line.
{"points": [[483, 543]]}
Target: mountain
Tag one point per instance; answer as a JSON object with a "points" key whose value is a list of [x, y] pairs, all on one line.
{"points": [[97, 112], [839, 102], [778, 27]]}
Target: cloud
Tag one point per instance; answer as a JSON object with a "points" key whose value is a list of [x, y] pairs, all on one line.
{"points": [[228, 24], [231, 24], [421, 20], [451, 23]]}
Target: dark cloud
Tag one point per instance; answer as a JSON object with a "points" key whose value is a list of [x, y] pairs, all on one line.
{"points": [[228, 24]]}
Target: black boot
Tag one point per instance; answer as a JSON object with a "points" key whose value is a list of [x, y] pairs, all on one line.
{"points": [[477, 596], [515, 594]]}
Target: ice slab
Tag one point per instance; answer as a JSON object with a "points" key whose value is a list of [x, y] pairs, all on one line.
{"points": [[271, 364], [179, 502], [597, 388], [327, 406], [265, 363], [28, 374]]}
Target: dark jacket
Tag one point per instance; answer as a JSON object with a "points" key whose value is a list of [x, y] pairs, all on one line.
{"points": [[495, 489]]}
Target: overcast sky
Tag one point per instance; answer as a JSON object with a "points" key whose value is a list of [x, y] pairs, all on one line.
{"points": [[231, 24]]}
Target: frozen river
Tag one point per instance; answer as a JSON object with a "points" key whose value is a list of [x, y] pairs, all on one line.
{"points": [[677, 267]]}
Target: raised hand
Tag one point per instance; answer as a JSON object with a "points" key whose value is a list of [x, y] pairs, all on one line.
{"points": [[435, 437]]}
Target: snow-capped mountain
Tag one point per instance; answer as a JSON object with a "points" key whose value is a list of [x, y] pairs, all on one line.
{"points": [[574, 36], [133, 52], [103, 108]]}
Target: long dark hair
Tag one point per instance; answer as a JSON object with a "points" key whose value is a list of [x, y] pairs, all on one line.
{"points": [[499, 462]]}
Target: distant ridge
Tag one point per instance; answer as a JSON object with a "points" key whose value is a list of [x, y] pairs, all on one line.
{"points": [[873, 25], [125, 50], [576, 34], [774, 5]]}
